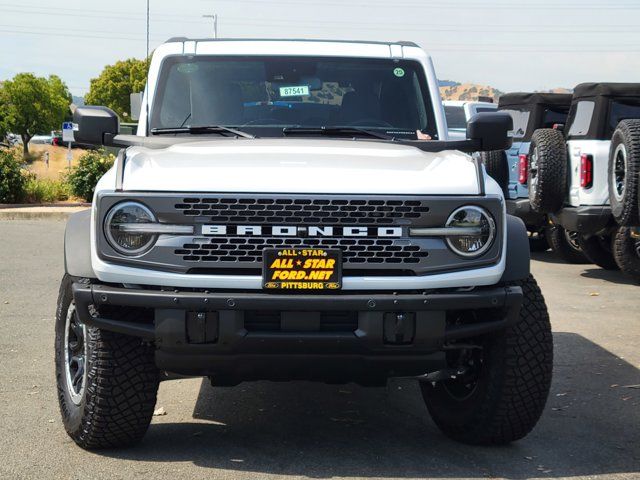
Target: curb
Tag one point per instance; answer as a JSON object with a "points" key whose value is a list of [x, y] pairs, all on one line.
{"points": [[39, 213]]}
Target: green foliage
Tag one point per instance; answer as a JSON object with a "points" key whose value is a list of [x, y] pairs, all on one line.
{"points": [[45, 191], [116, 82], [12, 176], [30, 105], [84, 177]]}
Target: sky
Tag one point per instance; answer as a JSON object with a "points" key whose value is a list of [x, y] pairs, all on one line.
{"points": [[510, 45]]}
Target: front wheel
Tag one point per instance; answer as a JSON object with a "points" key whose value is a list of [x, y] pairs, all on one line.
{"points": [[626, 251], [507, 376], [598, 249], [106, 382], [564, 243]]}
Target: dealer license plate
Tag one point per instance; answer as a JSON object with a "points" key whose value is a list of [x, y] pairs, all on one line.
{"points": [[302, 269]]}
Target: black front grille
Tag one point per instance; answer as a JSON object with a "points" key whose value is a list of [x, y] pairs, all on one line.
{"points": [[354, 250], [301, 210], [329, 321]]}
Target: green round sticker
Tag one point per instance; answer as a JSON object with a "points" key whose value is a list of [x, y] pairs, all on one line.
{"points": [[398, 72]]}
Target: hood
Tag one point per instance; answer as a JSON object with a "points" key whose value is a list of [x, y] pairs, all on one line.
{"points": [[299, 166]]}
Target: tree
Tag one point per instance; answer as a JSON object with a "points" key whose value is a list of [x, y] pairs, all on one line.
{"points": [[31, 105], [116, 82]]}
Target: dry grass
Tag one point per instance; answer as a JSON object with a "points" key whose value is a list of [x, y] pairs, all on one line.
{"points": [[57, 161]]}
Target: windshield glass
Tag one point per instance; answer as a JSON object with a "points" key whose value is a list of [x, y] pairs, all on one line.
{"points": [[266, 94], [456, 119]]}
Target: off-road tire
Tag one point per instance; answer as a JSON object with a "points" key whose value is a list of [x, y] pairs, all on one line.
{"points": [[565, 248], [495, 162], [626, 252], [538, 241], [513, 383], [547, 176], [598, 249], [625, 202], [121, 384]]}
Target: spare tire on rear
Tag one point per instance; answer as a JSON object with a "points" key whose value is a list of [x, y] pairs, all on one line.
{"points": [[624, 173], [497, 167], [547, 176]]}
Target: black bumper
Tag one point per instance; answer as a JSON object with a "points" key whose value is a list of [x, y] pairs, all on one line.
{"points": [[587, 219], [521, 208], [252, 336]]}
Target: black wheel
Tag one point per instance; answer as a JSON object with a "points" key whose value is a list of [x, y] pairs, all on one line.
{"points": [[626, 251], [565, 244], [538, 240], [106, 382], [497, 167], [598, 249], [624, 172], [504, 382], [547, 178]]}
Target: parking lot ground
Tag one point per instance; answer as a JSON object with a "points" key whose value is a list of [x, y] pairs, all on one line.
{"points": [[590, 428]]}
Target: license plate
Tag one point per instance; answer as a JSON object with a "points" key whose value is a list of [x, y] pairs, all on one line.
{"points": [[302, 269]]}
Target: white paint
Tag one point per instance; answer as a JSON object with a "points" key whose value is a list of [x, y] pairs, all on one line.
{"points": [[299, 165], [598, 194]]}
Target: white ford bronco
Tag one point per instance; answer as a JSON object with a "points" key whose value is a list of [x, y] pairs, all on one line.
{"points": [[277, 218], [589, 181]]}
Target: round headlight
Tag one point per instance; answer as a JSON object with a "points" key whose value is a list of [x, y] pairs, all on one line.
{"points": [[121, 232], [477, 220]]}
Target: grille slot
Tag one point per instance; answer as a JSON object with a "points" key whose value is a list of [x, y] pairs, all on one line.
{"points": [[355, 251], [301, 210], [269, 321]]}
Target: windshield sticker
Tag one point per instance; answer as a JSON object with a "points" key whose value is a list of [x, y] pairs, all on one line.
{"points": [[398, 72], [188, 68], [295, 91]]}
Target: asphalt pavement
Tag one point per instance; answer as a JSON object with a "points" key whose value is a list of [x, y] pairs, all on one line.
{"points": [[590, 428]]}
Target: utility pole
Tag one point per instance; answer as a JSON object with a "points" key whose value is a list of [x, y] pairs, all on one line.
{"points": [[147, 57], [213, 17]]}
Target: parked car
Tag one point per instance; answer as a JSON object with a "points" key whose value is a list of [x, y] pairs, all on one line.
{"points": [[458, 113], [530, 112], [41, 139], [243, 192], [589, 181]]}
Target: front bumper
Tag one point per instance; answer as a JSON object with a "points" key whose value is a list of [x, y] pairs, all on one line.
{"points": [[521, 208], [587, 219], [234, 337]]}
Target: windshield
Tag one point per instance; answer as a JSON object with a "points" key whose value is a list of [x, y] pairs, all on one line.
{"points": [[265, 94], [456, 119]]}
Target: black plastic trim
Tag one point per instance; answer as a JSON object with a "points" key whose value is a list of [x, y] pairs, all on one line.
{"points": [[517, 251], [586, 219]]}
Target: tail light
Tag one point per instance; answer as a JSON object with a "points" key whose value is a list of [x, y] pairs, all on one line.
{"points": [[586, 170], [523, 168]]}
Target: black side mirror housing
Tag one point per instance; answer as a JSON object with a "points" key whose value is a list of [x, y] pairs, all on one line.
{"points": [[94, 123], [490, 130]]}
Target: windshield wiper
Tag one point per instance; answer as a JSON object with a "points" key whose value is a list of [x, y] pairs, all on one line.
{"points": [[201, 130], [338, 131]]}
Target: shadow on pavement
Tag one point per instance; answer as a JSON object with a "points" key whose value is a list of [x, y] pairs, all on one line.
{"points": [[613, 276], [590, 427]]}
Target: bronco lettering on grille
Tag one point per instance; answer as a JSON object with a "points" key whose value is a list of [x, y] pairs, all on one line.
{"points": [[294, 231]]}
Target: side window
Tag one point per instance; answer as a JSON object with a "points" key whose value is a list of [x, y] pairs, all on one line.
{"points": [[553, 116], [582, 119], [622, 111], [520, 122]]}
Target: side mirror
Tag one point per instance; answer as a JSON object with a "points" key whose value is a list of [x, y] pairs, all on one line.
{"points": [[94, 123], [490, 130]]}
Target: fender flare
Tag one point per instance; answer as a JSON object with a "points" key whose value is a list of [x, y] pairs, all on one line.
{"points": [[517, 250], [77, 245]]}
